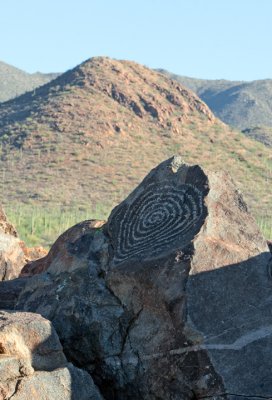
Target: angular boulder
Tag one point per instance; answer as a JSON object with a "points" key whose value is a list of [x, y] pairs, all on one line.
{"points": [[32, 362], [12, 258], [59, 250], [171, 299], [14, 254], [69, 383]]}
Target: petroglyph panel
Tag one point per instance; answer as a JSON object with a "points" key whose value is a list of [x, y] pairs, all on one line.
{"points": [[160, 217]]}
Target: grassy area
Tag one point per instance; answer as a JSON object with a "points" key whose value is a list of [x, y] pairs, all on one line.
{"points": [[41, 227], [265, 224]]}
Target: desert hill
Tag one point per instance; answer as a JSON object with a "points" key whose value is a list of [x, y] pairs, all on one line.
{"points": [[14, 82], [240, 104], [88, 137], [261, 133]]}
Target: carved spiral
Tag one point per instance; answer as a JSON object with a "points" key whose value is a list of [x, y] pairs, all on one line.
{"points": [[158, 218]]}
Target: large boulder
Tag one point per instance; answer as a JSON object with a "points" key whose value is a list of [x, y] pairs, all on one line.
{"points": [[12, 257], [171, 299], [32, 362]]}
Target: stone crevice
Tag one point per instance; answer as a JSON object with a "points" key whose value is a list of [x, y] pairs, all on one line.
{"points": [[128, 329], [16, 389], [5, 269]]}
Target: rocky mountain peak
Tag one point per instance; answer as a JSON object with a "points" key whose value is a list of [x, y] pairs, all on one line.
{"points": [[97, 124]]}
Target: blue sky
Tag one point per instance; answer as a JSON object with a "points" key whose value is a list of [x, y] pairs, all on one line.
{"points": [[211, 39]]}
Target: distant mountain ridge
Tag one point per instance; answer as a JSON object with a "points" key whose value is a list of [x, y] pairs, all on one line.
{"points": [[14, 82], [244, 105]]}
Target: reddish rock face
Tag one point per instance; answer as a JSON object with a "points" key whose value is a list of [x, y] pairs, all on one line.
{"points": [[33, 253], [171, 298], [59, 257]]}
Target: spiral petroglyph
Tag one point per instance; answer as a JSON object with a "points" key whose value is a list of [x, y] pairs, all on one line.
{"points": [[159, 217]]}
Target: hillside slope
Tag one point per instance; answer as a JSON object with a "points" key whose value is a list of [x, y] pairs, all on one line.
{"points": [[261, 133], [239, 104], [88, 137], [14, 82]]}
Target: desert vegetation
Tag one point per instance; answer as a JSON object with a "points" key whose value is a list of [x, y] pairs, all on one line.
{"points": [[75, 147]]}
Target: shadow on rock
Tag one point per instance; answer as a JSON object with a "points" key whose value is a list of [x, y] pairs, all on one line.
{"points": [[32, 361]]}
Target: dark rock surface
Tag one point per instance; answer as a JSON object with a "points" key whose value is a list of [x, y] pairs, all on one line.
{"points": [[171, 299], [10, 292]]}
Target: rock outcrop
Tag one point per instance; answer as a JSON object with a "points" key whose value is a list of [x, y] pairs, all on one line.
{"points": [[59, 252], [5, 226], [12, 257], [32, 362], [14, 254], [171, 298], [33, 253]]}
